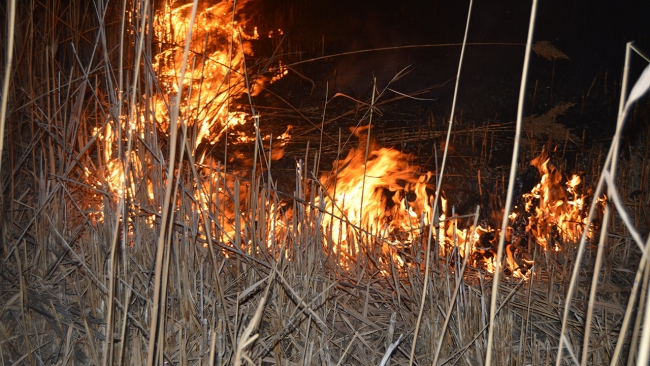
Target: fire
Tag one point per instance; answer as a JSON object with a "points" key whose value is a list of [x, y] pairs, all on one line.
{"points": [[378, 200], [215, 68], [216, 73], [556, 210], [383, 202], [215, 76]]}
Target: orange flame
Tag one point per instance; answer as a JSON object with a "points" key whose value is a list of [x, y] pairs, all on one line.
{"points": [[556, 211], [380, 197], [375, 202], [216, 72], [382, 201]]}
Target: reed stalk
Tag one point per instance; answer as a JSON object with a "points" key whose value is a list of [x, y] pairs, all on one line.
{"points": [[511, 183]]}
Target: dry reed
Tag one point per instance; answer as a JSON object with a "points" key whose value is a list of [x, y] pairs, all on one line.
{"points": [[175, 270]]}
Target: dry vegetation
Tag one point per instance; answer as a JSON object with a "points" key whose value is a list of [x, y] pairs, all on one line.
{"points": [[91, 277]]}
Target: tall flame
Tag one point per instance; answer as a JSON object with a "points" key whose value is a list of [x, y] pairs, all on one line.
{"points": [[216, 71]]}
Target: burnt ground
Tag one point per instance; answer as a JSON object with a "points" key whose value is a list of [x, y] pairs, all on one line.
{"points": [[591, 34]]}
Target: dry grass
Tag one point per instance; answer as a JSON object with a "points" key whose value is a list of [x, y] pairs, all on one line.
{"points": [[89, 278]]}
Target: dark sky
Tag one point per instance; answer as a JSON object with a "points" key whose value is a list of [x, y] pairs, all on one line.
{"points": [[594, 29], [592, 33]]}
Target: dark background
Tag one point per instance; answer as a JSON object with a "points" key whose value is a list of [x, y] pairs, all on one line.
{"points": [[592, 34]]}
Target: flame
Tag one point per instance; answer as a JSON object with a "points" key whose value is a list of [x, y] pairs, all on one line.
{"points": [[556, 210], [215, 77], [378, 200], [216, 67], [383, 202], [375, 202]]}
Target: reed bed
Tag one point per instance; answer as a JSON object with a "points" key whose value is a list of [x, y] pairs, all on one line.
{"points": [[203, 261]]}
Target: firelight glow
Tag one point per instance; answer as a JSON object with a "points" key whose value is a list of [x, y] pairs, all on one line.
{"points": [[378, 205]]}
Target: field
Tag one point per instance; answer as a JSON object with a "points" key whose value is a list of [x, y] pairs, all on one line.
{"points": [[155, 211]]}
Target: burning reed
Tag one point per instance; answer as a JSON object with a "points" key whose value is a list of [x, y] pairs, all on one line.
{"points": [[114, 146]]}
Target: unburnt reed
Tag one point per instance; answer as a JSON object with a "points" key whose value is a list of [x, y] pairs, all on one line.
{"points": [[186, 261]]}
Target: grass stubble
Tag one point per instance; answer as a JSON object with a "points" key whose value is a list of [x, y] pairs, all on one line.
{"points": [[76, 289]]}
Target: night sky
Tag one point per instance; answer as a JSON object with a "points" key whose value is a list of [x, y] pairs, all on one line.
{"points": [[591, 33]]}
